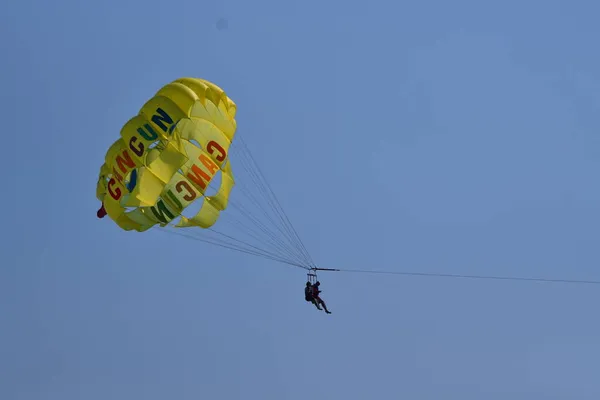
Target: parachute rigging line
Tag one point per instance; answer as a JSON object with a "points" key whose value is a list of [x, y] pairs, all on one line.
{"points": [[282, 214], [233, 247], [272, 237], [464, 276]]}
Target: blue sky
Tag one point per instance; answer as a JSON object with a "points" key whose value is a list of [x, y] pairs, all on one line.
{"points": [[440, 137]]}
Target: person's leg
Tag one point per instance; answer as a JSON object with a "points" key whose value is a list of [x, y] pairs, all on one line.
{"points": [[324, 306], [316, 304]]}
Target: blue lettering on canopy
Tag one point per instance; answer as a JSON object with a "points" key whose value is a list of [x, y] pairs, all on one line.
{"points": [[132, 180], [151, 135], [162, 117]]}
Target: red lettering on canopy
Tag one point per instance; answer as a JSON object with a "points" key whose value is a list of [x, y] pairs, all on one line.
{"points": [[208, 163], [212, 146], [199, 176], [191, 193], [117, 175], [125, 162], [115, 194]]}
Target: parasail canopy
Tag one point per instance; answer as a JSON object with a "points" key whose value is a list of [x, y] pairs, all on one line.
{"points": [[172, 168]]}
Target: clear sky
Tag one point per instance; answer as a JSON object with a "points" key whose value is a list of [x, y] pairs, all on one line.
{"points": [[434, 136]]}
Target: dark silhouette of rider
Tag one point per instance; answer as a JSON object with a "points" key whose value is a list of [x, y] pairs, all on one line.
{"points": [[311, 293]]}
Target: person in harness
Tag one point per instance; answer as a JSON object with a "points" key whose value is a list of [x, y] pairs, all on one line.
{"points": [[308, 294], [311, 293]]}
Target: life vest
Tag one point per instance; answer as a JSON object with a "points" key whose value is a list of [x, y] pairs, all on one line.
{"points": [[308, 293]]}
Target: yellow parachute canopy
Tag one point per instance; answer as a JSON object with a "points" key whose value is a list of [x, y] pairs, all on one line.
{"points": [[167, 156], [180, 145]]}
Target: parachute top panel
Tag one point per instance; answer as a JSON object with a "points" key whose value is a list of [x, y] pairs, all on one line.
{"points": [[167, 156]]}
